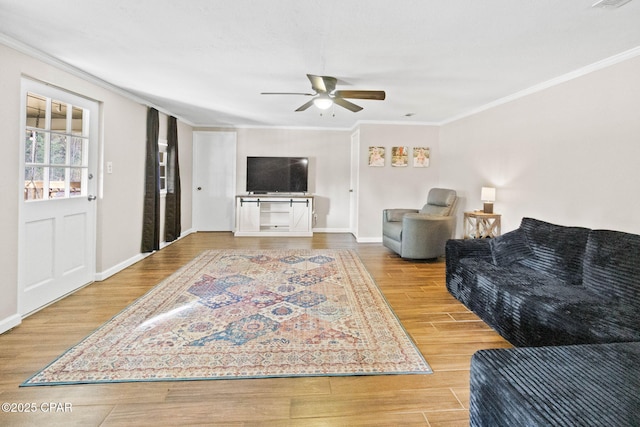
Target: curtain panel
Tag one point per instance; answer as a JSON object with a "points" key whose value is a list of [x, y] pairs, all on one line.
{"points": [[151, 209], [172, 213]]}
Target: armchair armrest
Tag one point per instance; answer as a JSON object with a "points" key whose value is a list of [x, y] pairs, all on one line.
{"points": [[415, 223], [392, 215], [424, 236]]}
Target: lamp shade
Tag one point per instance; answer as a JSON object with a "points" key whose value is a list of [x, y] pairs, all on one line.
{"points": [[323, 102], [488, 194]]}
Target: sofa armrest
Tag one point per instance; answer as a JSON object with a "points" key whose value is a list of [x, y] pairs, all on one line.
{"points": [[392, 215], [464, 248], [457, 249]]}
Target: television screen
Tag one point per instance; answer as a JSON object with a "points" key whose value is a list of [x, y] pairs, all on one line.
{"points": [[277, 174]]}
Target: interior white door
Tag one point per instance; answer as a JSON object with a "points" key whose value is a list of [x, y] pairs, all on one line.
{"points": [[57, 246], [214, 171]]}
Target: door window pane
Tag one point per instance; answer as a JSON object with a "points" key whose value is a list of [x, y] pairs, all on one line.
{"points": [[76, 181], [36, 111], [57, 183], [58, 116], [76, 151], [76, 121], [33, 183], [34, 147], [58, 153]]}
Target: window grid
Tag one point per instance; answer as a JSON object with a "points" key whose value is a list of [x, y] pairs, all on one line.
{"points": [[56, 149]]}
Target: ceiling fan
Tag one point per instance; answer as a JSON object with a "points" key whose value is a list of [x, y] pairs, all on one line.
{"points": [[326, 94]]}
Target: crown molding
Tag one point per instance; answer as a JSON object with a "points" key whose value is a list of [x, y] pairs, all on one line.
{"points": [[607, 62], [68, 68]]}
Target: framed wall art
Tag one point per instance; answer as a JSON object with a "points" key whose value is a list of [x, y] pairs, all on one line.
{"points": [[420, 157], [376, 156], [399, 156]]}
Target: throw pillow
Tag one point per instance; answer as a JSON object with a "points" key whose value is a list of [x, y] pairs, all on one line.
{"points": [[509, 248]]}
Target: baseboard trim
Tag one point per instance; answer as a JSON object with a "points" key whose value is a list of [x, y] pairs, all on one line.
{"points": [[103, 275], [10, 323], [369, 240], [331, 230]]}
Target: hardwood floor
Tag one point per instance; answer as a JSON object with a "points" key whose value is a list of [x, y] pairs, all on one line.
{"points": [[444, 330]]}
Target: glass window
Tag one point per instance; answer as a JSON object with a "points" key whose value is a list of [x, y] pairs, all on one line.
{"points": [[162, 160], [55, 149]]}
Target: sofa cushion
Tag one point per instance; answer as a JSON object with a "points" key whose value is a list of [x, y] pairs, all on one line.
{"points": [[504, 299], [557, 249], [612, 266], [564, 315], [582, 385], [509, 248]]}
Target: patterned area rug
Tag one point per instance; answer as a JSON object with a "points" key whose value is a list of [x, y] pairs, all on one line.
{"points": [[247, 314]]}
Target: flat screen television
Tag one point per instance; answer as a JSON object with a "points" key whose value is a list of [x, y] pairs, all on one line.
{"points": [[277, 174]]}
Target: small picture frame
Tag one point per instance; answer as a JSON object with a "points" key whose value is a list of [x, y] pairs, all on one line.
{"points": [[376, 156], [400, 157], [421, 157]]}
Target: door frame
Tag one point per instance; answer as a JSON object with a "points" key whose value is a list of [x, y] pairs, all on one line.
{"points": [[48, 90], [354, 183]]}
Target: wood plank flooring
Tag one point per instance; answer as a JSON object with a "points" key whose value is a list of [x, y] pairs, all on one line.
{"points": [[446, 333]]}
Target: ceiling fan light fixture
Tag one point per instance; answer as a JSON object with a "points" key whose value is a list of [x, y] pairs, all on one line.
{"points": [[323, 102]]}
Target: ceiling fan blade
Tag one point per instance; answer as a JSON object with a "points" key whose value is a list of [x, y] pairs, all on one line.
{"points": [[378, 95], [305, 106], [348, 105], [287, 93], [317, 83], [322, 84], [329, 83]]}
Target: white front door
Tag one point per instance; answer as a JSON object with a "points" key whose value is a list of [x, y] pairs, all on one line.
{"points": [[58, 158], [214, 173]]}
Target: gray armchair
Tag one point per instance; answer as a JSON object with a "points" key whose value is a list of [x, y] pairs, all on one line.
{"points": [[423, 233]]}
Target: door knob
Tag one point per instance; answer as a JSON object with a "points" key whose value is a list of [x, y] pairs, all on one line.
{"points": [[199, 188], [91, 198]]}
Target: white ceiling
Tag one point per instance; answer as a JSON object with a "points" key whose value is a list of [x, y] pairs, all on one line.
{"points": [[207, 61]]}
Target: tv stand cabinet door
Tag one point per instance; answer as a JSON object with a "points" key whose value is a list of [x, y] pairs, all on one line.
{"points": [[248, 216], [301, 215]]}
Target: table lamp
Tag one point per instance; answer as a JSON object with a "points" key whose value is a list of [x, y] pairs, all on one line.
{"points": [[488, 196]]}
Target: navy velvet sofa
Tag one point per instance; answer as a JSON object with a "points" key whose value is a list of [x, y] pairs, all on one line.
{"points": [[546, 286]]}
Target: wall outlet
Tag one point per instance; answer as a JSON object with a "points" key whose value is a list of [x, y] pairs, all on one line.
{"points": [[109, 167]]}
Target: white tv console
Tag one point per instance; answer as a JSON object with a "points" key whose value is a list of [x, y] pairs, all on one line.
{"points": [[274, 215]]}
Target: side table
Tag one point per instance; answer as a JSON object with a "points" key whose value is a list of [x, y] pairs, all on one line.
{"points": [[480, 225]]}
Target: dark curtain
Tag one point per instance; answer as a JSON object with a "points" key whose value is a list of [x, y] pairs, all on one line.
{"points": [[172, 207], [151, 210]]}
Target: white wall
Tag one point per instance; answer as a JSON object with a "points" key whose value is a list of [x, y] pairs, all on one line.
{"points": [[10, 137], [394, 187], [122, 141], [328, 152], [567, 155]]}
